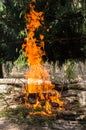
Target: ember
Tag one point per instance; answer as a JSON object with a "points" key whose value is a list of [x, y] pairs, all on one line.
{"points": [[39, 92]]}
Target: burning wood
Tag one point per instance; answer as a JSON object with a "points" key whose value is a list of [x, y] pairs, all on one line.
{"points": [[39, 91], [38, 81]]}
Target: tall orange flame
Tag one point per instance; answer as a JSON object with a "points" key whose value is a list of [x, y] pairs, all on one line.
{"points": [[39, 86]]}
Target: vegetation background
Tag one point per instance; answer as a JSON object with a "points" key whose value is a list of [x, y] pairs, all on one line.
{"points": [[65, 20]]}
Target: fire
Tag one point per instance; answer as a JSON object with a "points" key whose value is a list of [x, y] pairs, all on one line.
{"points": [[39, 92]]}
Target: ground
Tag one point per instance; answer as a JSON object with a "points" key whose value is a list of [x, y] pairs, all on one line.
{"points": [[14, 116]]}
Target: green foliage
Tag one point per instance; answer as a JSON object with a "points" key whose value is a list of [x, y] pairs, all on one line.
{"points": [[12, 27], [66, 38], [84, 23], [4, 112], [71, 70], [84, 27], [65, 19], [21, 60], [1, 96], [1, 6]]}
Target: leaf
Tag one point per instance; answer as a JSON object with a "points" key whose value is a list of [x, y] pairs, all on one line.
{"points": [[2, 6]]}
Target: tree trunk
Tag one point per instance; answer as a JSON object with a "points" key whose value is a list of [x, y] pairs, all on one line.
{"points": [[1, 73]]}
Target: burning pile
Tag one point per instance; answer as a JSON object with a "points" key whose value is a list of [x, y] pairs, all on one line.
{"points": [[39, 92]]}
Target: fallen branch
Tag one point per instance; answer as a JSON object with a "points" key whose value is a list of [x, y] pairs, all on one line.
{"points": [[12, 81], [23, 81]]}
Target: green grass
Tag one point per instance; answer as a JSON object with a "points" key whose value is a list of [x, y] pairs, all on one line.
{"points": [[4, 112], [1, 96]]}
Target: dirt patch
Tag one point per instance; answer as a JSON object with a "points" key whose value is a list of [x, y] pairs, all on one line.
{"points": [[6, 125]]}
